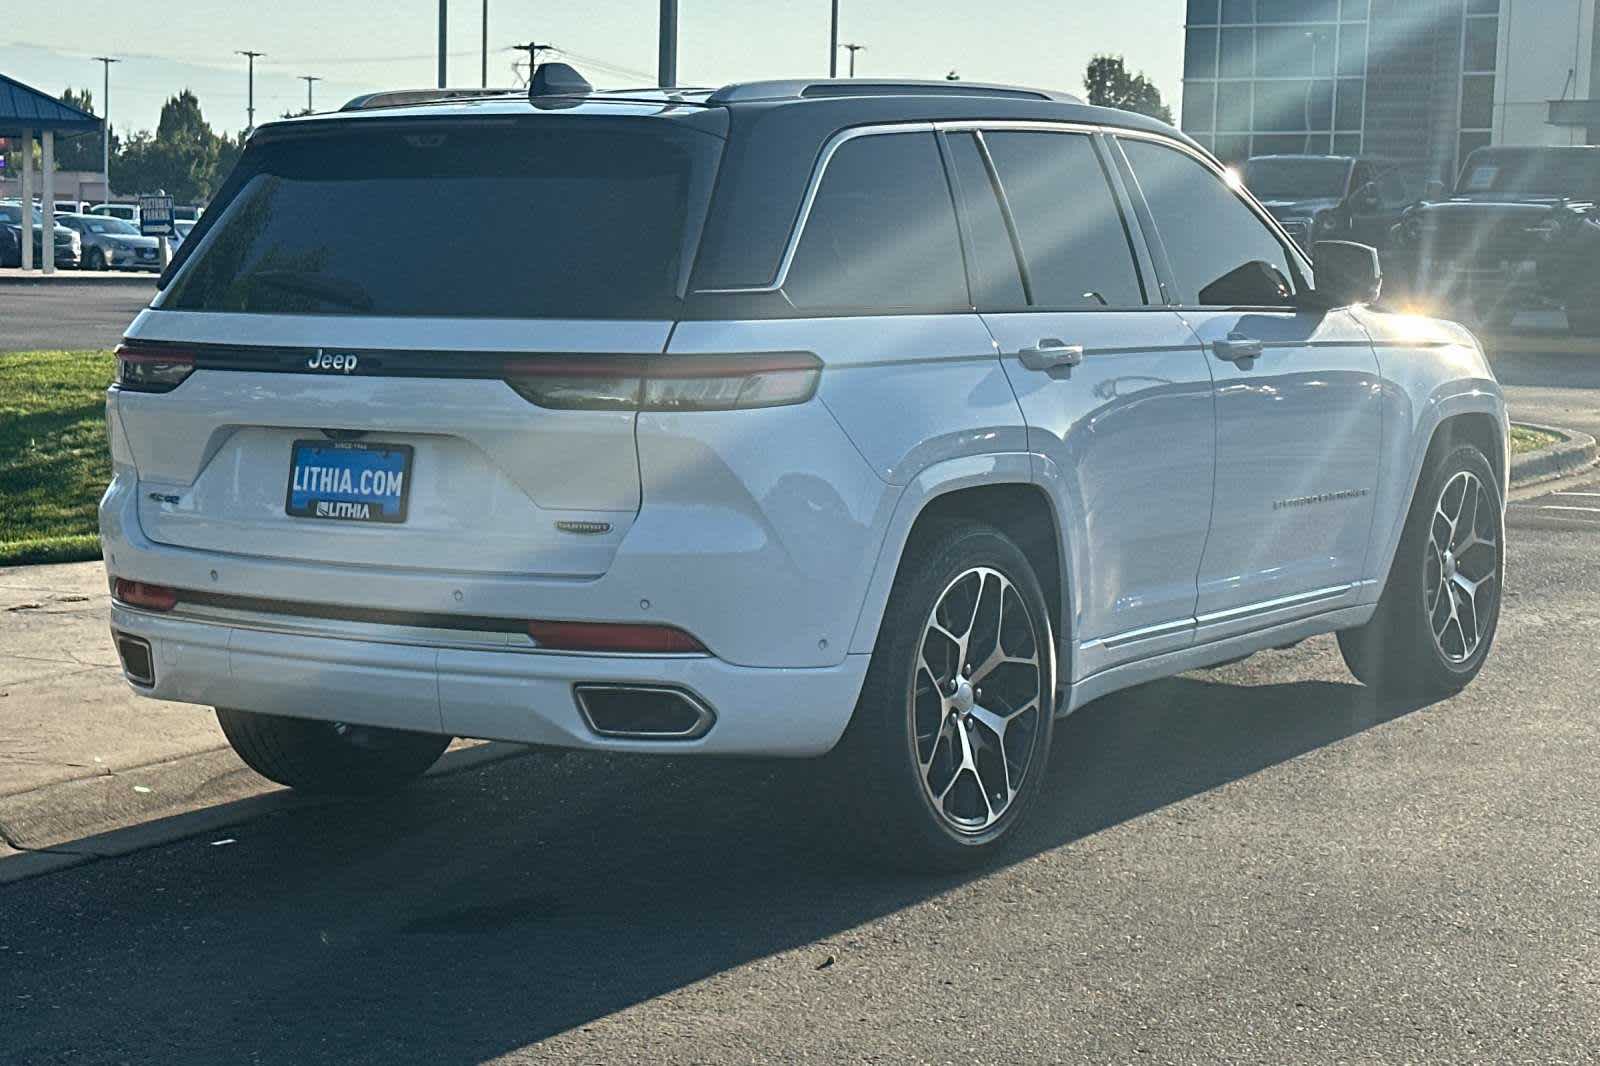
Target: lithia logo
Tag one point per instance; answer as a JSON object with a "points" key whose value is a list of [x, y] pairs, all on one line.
{"points": [[343, 362], [1321, 497]]}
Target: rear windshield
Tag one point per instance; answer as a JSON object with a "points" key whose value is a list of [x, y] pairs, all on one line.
{"points": [[1532, 173], [505, 221], [1297, 179]]}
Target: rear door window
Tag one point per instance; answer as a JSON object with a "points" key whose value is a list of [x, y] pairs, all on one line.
{"points": [[553, 219], [1221, 253], [996, 277], [1074, 241], [881, 234]]}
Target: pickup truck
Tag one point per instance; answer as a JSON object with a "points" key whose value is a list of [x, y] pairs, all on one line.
{"points": [[1521, 231]]}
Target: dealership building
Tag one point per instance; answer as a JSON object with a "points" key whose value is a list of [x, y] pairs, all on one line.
{"points": [[1421, 82]]}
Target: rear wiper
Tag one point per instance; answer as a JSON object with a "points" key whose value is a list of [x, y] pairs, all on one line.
{"points": [[318, 286]]}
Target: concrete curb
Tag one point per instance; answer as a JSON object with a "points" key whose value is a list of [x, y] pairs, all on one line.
{"points": [[1577, 451], [15, 276], [79, 821], [1538, 344]]}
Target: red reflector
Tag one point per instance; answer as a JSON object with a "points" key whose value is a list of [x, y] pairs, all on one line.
{"points": [[150, 597], [611, 636], [131, 352]]}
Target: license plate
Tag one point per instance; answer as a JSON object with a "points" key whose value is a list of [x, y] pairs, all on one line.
{"points": [[349, 481]]}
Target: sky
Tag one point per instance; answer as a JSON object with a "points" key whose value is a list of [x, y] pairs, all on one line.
{"points": [[357, 46]]}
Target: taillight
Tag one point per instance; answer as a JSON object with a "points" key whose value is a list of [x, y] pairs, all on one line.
{"points": [[614, 637], [142, 368], [666, 382], [140, 594]]}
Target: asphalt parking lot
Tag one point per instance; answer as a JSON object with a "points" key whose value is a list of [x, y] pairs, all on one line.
{"points": [[1256, 863], [86, 313]]}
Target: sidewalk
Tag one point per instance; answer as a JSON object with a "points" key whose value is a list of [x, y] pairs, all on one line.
{"points": [[88, 769]]}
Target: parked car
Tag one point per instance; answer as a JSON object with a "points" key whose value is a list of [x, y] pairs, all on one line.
{"points": [[1319, 197], [71, 207], [126, 212], [11, 215], [181, 229], [1521, 230], [112, 244], [887, 422]]}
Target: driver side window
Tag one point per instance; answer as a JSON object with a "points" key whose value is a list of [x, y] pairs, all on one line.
{"points": [[1221, 253]]}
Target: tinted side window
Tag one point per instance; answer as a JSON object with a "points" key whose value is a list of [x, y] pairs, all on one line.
{"points": [[1221, 253], [882, 232], [1073, 239], [996, 279]]}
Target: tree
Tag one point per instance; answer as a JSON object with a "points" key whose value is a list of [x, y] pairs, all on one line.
{"points": [[184, 156], [81, 151], [1110, 85]]}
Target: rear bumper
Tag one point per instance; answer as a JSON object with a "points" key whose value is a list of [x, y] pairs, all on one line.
{"points": [[521, 696]]}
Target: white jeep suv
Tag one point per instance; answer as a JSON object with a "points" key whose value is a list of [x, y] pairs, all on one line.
{"points": [[887, 421]]}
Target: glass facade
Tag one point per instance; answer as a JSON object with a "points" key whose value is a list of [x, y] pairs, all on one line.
{"points": [[1266, 77], [1290, 76], [1480, 37]]}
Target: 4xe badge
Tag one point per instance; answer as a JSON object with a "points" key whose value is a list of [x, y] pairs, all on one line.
{"points": [[341, 362]]}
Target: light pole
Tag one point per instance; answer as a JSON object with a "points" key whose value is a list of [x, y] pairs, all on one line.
{"points": [[667, 47], [309, 79], [833, 42], [853, 49], [443, 5], [250, 99], [105, 119], [485, 44]]}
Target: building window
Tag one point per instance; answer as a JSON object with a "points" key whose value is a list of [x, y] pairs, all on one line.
{"points": [[1239, 11], [1477, 102], [1198, 100], [1200, 54], [1203, 12], [1353, 49], [1482, 35], [1237, 57]]}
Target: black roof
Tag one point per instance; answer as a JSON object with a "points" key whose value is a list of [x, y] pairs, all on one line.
{"points": [[773, 133], [24, 107]]}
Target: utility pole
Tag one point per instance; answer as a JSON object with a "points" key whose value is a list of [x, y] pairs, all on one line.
{"points": [[833, 42], [853, 49], [250, 104], [667, 50], [105, 118], [443, 5], [533, 49], [309, 79], [485, 44]]}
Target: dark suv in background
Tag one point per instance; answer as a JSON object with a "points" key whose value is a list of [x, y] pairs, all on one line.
{"points": [[1520, 232], [1330, 197]]}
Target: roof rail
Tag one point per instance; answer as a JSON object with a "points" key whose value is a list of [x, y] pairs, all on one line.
{"points": [[793, 89], [403, 97]]}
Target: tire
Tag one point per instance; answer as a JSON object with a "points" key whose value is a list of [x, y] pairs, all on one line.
{"points": [[1583, 322], [1413, 647], [329, 757], [95, 260], [908, 739]]}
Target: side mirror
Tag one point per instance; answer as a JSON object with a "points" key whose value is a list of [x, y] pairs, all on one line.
{"points": [[1434, 191], [1347, 273]]}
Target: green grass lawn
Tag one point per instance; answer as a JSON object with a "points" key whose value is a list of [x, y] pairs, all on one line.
{"points": [[53, 458]]}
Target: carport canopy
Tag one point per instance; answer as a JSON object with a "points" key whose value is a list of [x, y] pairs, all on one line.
{"points": [[26, 114]]}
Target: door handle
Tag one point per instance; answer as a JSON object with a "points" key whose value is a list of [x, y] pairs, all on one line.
{"points": [[1238, 348], [1050, 353]]}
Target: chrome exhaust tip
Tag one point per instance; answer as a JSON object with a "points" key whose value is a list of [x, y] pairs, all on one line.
{"points": [[138, 663], [643, 712]]}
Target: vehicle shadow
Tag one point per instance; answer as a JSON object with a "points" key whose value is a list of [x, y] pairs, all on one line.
{"points": [[484, 911]]}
